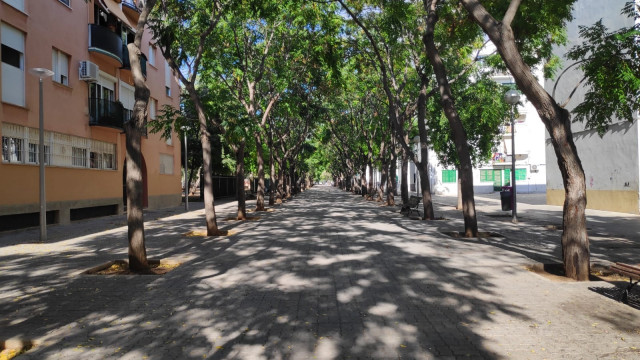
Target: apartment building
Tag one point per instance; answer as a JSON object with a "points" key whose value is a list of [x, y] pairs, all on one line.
{"points": [[86, 103]]}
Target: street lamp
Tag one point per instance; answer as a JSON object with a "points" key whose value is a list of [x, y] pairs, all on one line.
{"points": [[42, 73], [186, 168], [512, 97]]}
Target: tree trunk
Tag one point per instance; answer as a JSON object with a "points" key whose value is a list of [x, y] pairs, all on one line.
{"points": [[370, 187], [133, 138], [459, 134], [363, 181], [272, 174], [404, 185], [209, 208], [392, 181], [260, 161], [135, 218], [280, 193], [423, 164], [383, 181], [575, 241], [242, 206], [290, 180]]}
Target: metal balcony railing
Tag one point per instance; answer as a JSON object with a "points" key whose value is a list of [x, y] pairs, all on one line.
{"points": [[105, 41], [110, 114], [106, 113]]}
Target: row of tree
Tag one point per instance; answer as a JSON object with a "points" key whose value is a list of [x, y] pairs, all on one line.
{"points": [[339, 87], [423, 71]]}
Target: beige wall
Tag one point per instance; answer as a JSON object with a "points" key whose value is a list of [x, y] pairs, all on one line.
{"points": [[608, 200], [48, 25]]}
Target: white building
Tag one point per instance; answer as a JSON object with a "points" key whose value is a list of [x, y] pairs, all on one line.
{"points": [[496, 173], [611, 163]]}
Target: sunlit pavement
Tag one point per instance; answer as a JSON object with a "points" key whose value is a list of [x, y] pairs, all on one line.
{"points": [[327, 275]]}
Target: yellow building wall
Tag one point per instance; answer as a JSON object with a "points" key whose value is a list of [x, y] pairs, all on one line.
{"points": [[608, 200]]}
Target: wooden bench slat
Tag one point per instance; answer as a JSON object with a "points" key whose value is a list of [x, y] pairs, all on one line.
{"points": [[628, 267], [631, 275], [626, 270]]}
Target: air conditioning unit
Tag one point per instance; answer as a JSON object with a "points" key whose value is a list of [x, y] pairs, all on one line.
{"points": [[88, 71]]}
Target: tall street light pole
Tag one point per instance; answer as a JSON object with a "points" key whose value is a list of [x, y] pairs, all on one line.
{"points": [[512, 97], [42, 73], [186, 171]]}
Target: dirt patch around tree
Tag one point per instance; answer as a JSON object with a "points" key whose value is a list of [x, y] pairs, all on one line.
{"points": [[555, 272], [481, 235], [11, 348], [203, 233], [121, 267], [249, 218]]}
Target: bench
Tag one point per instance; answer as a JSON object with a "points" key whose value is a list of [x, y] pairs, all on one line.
{"points": [[414, 202], [632, 271]]}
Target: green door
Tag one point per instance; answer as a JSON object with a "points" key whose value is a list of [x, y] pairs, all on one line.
{"points": [[497, 180]]}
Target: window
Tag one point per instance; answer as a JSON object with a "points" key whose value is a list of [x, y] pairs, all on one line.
{"points": [[11, 56], [488, 175], [152, 108], [34, 151], [449, 176], [152, 55], [12, 65], [108, 161], [20, 145], [95, 160], [18, 4], [60, 67], [521, 174], [167, 79], [12, 149], [66, 2], [166, 164], [78, 156]]}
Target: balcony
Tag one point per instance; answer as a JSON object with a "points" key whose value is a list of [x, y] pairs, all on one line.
{"points": [[105, 42], [126, 64], [106, 113], [130, 8], [110, 114]]}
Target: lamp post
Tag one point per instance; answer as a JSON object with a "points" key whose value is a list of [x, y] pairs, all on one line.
{"points": [[42, 73], [512, 97], [186, 168]]}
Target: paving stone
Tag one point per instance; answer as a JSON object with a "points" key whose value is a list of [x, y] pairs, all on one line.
{"points": [[327, 275]]}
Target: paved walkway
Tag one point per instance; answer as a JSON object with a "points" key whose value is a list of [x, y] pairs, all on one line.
{"points": [[326, 276]]}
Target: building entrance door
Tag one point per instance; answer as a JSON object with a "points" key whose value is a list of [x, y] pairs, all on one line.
{"points": [[497, 180]]}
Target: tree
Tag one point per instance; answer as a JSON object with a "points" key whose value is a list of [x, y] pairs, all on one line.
{"points": [[182, 30], [133, 130], [575, 242]]}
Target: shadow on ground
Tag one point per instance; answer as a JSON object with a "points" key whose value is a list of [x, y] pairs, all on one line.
{"points": [[321, 277]]}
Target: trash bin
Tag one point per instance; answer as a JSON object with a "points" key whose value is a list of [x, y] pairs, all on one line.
{"points": [[506, 198]]}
